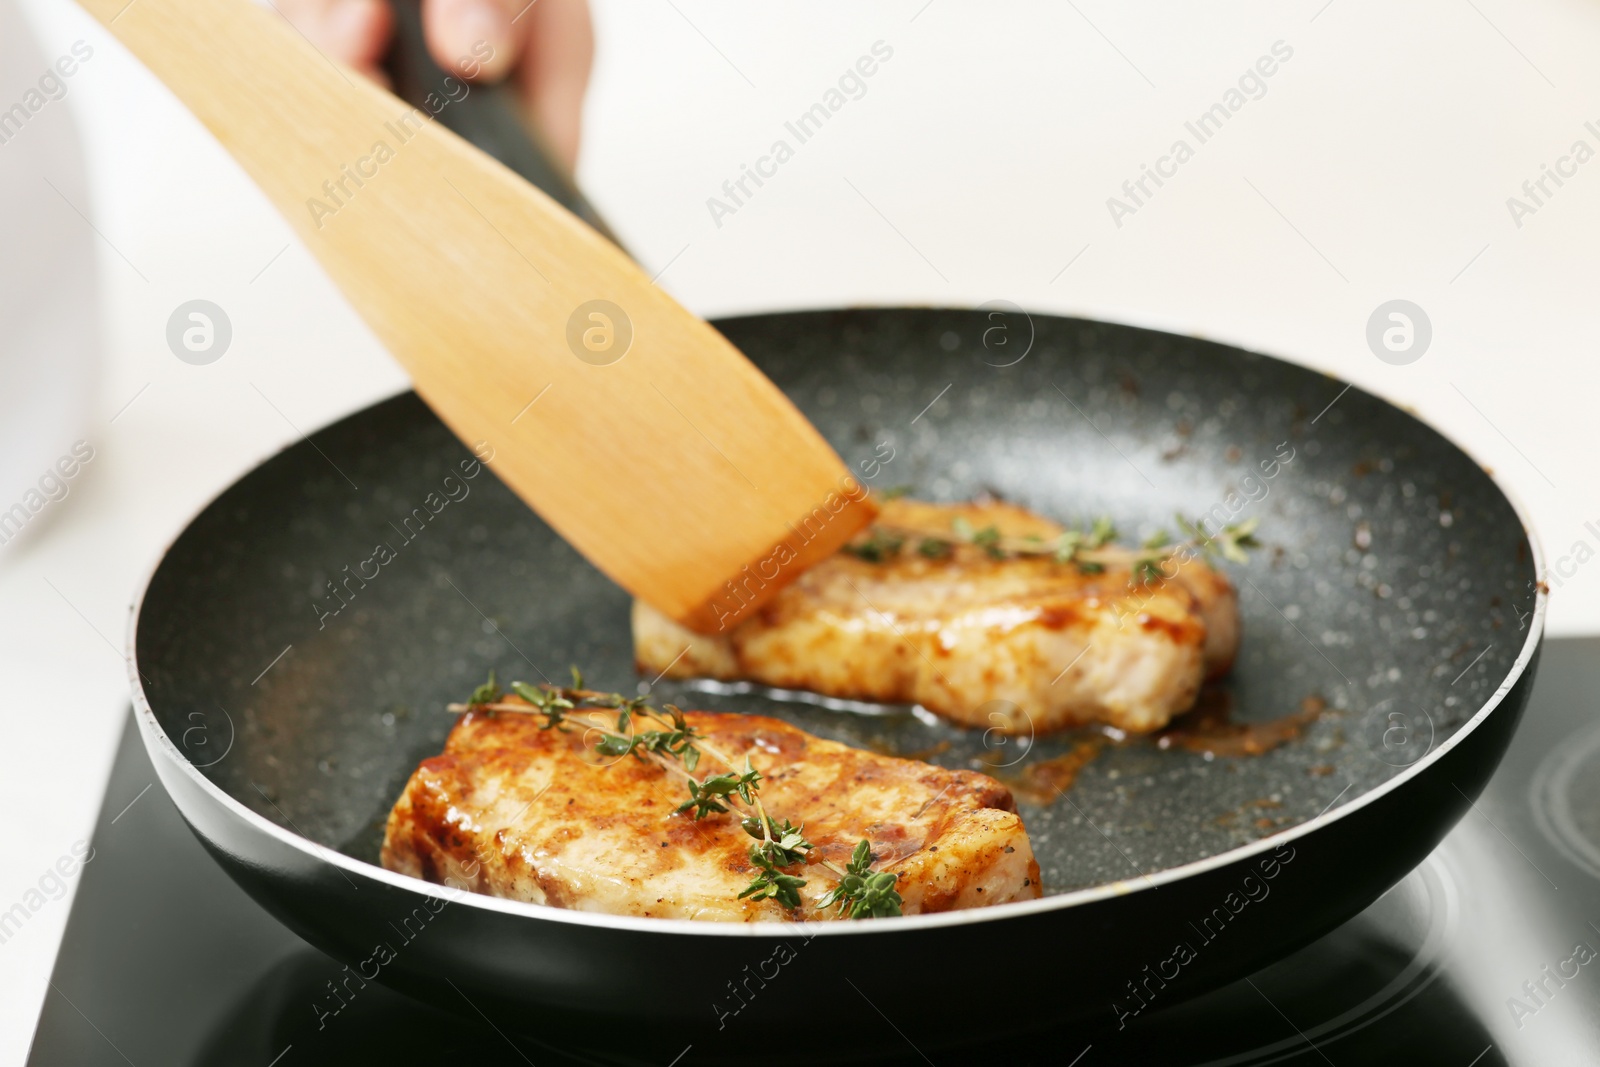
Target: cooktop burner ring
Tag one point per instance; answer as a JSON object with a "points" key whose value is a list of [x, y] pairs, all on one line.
{"points": [[1574, 762], [1393, 953]]}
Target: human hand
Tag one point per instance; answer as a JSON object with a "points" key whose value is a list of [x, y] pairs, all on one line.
{"points": [[544, 48]]}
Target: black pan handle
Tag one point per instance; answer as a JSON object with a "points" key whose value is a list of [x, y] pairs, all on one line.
{"points": [[488, 116]]}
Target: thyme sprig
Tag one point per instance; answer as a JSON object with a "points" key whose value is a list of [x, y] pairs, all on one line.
{"points": [[677, 747], [1091, 549], [778, 847], [772, 882], [1230, 542], [677, 742], [863, 893], [706, 797]]}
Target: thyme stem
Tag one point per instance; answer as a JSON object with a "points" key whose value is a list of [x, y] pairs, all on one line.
{"points": [[1091, 550]]}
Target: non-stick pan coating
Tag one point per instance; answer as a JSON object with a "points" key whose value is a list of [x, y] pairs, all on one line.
{"points": [[1391, 562]]}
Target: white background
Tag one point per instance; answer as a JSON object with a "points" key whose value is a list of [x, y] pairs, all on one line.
{"points": [[1377, 166]]}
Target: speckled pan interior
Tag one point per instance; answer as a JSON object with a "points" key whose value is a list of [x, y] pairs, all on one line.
{"points": [[1392, 584]]}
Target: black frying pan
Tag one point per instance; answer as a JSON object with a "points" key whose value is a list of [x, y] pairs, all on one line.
{"points": [[1398, 584]]}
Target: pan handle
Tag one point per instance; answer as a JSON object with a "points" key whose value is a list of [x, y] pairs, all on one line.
{"points": [[488, 116]]}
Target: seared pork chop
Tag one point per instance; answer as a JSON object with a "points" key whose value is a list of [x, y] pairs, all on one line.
{"points": [[1020, 644], [514, 810]]}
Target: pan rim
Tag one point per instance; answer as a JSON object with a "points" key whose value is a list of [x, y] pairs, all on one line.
{"points": [[157, 741]]}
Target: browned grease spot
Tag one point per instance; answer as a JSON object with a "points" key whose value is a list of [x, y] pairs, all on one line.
{"points": [[1177, 631], [1058, 616], [928, 753], [1040, 783], [1210, 728]]}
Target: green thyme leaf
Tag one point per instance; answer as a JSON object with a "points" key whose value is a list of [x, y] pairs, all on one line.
{"points": [[1100, 533], [548, 700], [876, 548], [863, 893], [487, 693], [1067, 545], [706, 797], [770, 882]]}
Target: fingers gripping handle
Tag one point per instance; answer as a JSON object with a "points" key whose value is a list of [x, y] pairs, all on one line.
{"points": [[487, 115]]}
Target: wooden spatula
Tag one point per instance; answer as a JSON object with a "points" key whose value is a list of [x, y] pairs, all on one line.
{"points": [[638, 432]]}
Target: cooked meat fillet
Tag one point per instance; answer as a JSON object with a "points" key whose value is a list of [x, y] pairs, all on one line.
{"points": [[516, 811], [1021, 644]]}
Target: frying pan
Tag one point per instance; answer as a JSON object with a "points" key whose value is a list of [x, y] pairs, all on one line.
{"points": [[1398, 585]]}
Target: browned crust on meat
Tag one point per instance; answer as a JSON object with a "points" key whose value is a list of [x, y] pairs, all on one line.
{"points": [[516, 811]]}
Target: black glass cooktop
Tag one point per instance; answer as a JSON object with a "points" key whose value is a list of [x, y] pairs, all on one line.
{"points": [[1489, 953]]}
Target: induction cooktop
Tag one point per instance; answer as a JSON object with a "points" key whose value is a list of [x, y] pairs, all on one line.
{"points": [[1486, 954]]}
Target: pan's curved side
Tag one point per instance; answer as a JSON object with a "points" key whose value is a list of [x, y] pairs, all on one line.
{"points": [[1095, 967]]}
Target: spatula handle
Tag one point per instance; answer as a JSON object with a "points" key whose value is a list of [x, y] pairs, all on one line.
{"points": [[487, 116]]}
